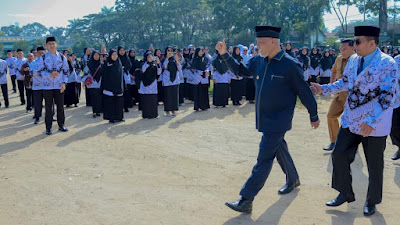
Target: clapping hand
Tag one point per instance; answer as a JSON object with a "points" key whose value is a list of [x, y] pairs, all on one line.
{"points": [[221, 47]]}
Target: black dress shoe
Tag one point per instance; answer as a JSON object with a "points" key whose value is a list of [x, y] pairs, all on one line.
{"points": [[54, 119], [241, 205], [287, 188], [330, 147], [63, 129], [396, 155], [126, 110], [48, 131], [339, 200], [23, 103], [98, 114], [36, 121], [369, 210]]}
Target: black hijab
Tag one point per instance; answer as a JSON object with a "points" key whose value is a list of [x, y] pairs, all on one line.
{"points": [[219, 64], [304, 59], [150, 75], [326, 61], [93, 64], [314, 59], [113, 75], [199, 62], [171, 67], [134, 62], [126, 63], [238, 57]]}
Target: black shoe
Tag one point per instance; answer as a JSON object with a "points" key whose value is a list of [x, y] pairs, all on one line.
{"points": [[126, 110], [76, 105], [339, 200], [98, 114], [241, 205], [94, 115], [23, 103], [396, 156], [238, 103], [369, 210], [112, 121], [48, 131], [251, 102], [68, 106], [7, 106], [36, 121], [289, 187], [330, 147], [63, 129]]}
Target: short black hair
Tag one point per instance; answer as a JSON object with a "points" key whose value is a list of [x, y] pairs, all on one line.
{"points": [[349, 41], [376, 39]]}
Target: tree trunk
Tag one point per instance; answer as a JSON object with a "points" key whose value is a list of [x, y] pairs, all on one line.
{"points": [[383, 15], [309, 28]]}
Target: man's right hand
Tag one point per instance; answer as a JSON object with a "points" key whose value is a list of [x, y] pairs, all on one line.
{"points": [[221, 47], [316, 88]]}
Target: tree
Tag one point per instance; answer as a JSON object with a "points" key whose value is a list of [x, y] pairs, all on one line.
{"points": [[34, 29], [375, 7], [23, 45], [38, 42], [341, 9], [12, 30]]}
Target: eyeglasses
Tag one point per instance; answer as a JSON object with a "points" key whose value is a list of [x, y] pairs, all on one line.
{"points": [[357, 41]]}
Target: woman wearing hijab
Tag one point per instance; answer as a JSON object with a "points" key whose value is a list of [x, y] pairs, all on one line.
{"points": [[84, 62], [325, 65], [181, 78], [200, 80], [133, 85], [92, 80], [237, 82], [126, 66], [151, 69], [158, 54], [289, 49], [71, 92], [314, 65], [304, 62], [78, 71], [188, 74], [396, 52], [112, 75], [221, 78], [170, 81]]}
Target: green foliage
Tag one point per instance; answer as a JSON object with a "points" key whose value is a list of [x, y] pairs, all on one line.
{"points": [[1, 49], [332, 41], [38, 42], [22, 45]]}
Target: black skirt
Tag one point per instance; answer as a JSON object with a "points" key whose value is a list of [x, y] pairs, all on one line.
{"points": [[79, 89], [171, 98], [237, 90], [181, 93], [71, 94], [148, 104], [221, 94], [189, 91], [160, 92], [250, 89], [96, 97], [133, 90], [127, 98], [200, 96], [113, 108], [87, 97]]}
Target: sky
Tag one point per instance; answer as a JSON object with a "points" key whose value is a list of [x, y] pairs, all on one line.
{"points": [[58, 12]]}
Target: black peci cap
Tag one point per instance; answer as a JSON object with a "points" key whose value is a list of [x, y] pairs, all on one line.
{"points": [[369, 31], [48, 39], [268, 31], [40, 48]]}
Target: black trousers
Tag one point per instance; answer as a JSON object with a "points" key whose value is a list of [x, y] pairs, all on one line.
{"points": [[21, 90], [13, 79], [272, 145], [343, 155], [4, 89], [87, 96], [395, 132], [96, 98], [38, 102], [50, 97], [29, 99]]}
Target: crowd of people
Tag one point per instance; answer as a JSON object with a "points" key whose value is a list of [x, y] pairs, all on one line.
{"points": [[364, 79]]}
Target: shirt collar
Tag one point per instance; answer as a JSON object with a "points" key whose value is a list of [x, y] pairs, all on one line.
{"points": [[369, 57], [279, 56]]}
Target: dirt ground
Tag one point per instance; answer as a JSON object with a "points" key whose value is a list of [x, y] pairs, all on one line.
{"points": [[171, 171]]}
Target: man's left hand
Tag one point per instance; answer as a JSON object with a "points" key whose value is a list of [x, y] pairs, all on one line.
{"points": [[365, 130], [62, 88]]}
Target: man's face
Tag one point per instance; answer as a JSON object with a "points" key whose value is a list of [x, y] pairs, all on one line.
{"points": [[346, 50], [20, 54], [30, 57], [9, 54], [41, 52], [52, 46], [364, 46], [264, 45]]}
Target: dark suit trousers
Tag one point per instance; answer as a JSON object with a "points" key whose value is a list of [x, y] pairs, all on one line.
{"points": [[50, 97], [343, 155], [272, 145]]}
